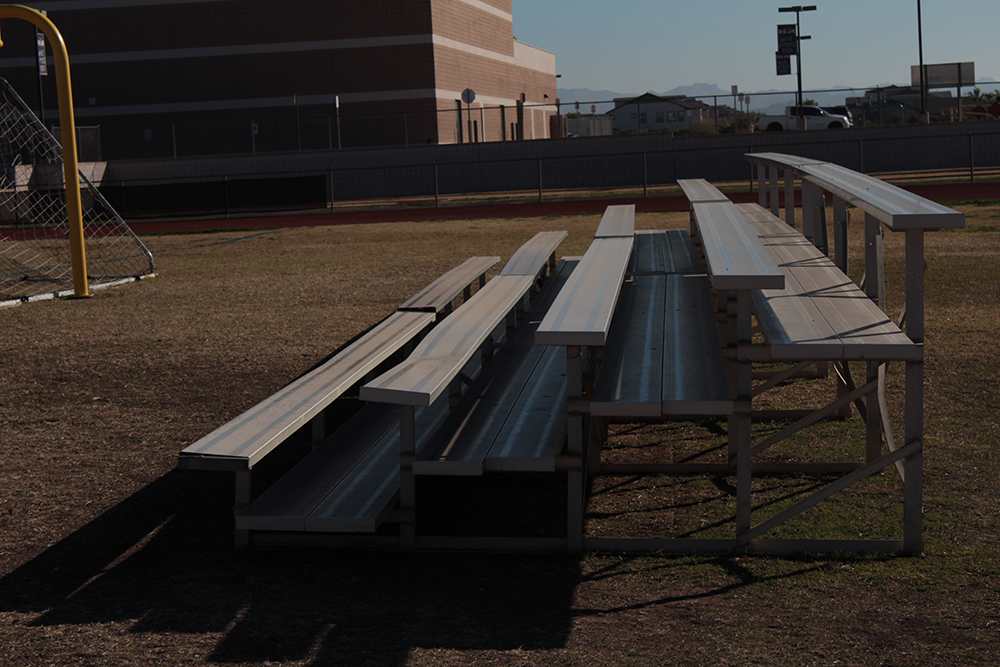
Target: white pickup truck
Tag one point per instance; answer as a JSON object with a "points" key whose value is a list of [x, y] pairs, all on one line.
{"points": [[816, 119]]}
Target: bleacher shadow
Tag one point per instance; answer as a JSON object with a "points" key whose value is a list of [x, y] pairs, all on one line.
{"points": [[165, 557]]}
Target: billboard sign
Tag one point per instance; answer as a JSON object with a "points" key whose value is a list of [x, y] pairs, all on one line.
{"points": [[947, 75]]}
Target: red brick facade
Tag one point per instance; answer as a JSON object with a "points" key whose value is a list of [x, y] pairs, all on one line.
{"points": [[198, 74]]}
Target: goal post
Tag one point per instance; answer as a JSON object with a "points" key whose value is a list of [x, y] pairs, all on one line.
{"points": [[42, 211]]}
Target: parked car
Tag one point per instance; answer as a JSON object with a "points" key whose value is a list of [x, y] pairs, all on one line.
{"points": [[840, 110], [816, 119]]}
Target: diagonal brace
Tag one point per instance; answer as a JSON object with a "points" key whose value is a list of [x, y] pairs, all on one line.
{"points": [[831, 490], [816, 416], [780, 377]]}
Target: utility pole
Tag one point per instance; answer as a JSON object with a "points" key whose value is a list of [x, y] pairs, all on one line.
{"points": [[798, 9], [924, 116]]}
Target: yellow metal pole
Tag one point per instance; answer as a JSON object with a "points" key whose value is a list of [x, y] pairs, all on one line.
{"points": [[71, 170]]}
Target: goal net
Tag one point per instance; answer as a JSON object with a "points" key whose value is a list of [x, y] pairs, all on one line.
{"points": [[34, 225]]}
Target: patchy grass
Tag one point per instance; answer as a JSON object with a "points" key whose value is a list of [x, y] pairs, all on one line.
{"points": [[109, 556]]}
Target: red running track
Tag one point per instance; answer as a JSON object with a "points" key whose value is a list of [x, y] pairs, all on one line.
{"points": [[658, 204]]}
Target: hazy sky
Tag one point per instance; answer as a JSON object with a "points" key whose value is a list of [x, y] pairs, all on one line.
{"points": [[634, 46]]}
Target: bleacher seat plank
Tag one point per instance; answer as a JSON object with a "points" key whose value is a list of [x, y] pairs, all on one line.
{"points": [[821, 314], [243, 441], [522, 391], [694, 378], [533, 433], [617, 221], [439, 294], [631, 377], [517, 422], [442, 354], [897, 208], [361, 501], [289, 501], [735, 256], [532, 257], [658, 251], [582, 312], [348, 484], [664, 356], [700, 191]]}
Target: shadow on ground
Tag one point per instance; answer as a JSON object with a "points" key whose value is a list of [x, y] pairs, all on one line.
{"points": [[163, 559]]}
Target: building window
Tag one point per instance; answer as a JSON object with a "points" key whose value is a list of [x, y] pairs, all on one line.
{"points": [[671, 116], [642, 117], [659, 116], [633, 115]]}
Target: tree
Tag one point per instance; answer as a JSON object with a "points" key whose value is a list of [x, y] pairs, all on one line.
{"points": [[979, 97]]}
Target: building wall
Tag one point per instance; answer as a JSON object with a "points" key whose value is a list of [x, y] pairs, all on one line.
{"points": [[143, 67], [590, 126], [474, 48], [659, 116]]}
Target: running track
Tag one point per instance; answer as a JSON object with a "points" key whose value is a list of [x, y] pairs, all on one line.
{"points": [[658, 204]]}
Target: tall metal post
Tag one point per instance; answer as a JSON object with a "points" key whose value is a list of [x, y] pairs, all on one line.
{"points": [[67, 122], [798, 9], [924, 116]]}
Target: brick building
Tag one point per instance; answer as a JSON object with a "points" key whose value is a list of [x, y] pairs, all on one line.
{"points": [[196, 77]]}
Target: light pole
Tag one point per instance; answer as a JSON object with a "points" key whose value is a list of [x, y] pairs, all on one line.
{"points": [[798, 9], [924, 118]]}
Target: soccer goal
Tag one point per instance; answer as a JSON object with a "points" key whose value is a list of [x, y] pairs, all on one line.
{"points": [[35, 255]]}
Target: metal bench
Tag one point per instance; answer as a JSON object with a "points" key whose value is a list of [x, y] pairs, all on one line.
{"points": [[699, 191], [536, 257], [451, 356], [651, 345], [886, 207], [343, 491], [663, 355], [515, 416], [243, 442], [820, 314], [580, 318], [617, 221], [656, 252], [439, 296]]}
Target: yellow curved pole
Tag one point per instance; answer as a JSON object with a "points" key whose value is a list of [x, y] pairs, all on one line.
{"points": [[71, 170]]}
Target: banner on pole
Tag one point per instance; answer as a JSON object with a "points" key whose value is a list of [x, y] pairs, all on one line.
{"points": [[784, 63], [788, 43]]}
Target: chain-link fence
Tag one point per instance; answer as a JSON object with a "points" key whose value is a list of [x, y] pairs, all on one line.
{"points": [[636, 165]]}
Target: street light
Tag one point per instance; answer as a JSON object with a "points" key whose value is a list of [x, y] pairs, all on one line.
{"points": [[798, 55], [924, 118]]}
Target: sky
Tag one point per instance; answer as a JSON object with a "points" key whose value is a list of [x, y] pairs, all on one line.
{"points": [[635, 46]]}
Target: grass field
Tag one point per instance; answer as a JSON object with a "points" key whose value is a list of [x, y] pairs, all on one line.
{"points": [[110, 556]]}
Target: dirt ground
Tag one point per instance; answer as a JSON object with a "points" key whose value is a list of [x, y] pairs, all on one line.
{"points": [[111, 556]]}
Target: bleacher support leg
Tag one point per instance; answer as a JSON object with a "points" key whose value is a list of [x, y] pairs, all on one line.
{"points": [[241, 538], [914, 410], [790, 198], [774, 190], [576, 434], [407, 487], [741, 421], [762, 185]]}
